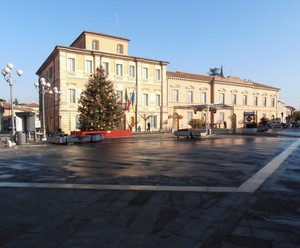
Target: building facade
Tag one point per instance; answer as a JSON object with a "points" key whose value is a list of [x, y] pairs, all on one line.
{"points": [[142, 80], [21, 113], [154, 93], [238, 97]]}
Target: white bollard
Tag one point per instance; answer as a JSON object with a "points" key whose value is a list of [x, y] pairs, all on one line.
{"points": [[9, 143]]}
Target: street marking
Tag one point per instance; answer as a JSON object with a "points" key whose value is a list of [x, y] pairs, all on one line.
{"points": [[253, 183], [249, 186], [116, 187]]}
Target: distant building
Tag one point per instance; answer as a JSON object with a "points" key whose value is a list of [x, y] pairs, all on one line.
{"points": [[157, 93], [21, 113], [241, 95], [285, 113]]}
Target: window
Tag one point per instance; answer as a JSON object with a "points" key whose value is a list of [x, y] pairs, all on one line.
{"points": [[273, 102], [233, 99], [255, 101], [72, 95], [157, 74], [119, 70], [203, 97], [245, 100], [155, 121], [88, 66], [175, 96], [119, 96], [95, 45], [71, 64], [190, 96], [132, 71], [264, 101], [145, 73], [222, 117], [106, 67], [222, 98], [145, 99], [157, 97], [189, 116], [119, 49], [77, 119]]}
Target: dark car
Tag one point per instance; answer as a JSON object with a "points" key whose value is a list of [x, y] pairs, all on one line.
{"points": [[296, 124], [262, 128], [275, 125]]}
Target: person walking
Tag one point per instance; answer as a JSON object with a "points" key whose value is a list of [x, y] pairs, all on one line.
{"points": [[148, 127]]}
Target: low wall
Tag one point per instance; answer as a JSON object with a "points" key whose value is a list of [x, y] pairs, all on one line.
{"points": [[106, 134]]}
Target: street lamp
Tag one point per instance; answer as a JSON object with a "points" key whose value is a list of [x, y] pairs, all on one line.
{"points": [[55, 95], [6, 72], [43, 87]]}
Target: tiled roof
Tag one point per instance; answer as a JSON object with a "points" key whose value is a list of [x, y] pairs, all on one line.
{"points": [[26, 108], [6, 105], [189, 76], [263, 86], [29, 105], [227, 80]]}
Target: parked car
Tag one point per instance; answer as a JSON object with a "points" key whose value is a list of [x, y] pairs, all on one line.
{"points": [[262, 128], [275, 125], [296, 124]]}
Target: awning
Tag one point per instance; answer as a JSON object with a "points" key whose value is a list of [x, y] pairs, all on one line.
{"points": [[204, 106]]}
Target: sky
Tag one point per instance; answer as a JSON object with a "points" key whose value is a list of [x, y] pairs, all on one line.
{"points": [[256, 40]]}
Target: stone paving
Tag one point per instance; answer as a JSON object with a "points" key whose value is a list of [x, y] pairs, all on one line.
{"points": [[41, 215]]}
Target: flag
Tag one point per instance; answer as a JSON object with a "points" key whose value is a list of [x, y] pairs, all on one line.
{"points": [[126, 100], [132, 99]]}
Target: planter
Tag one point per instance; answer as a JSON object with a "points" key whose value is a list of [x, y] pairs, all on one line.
{"points": [[57, 139], [78, 138], [97, 137], [106, 134], [189, 133], [75, 139], [249, 130]]}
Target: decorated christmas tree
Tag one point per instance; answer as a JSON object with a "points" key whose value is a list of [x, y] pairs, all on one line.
{"points": [[99, 106]]}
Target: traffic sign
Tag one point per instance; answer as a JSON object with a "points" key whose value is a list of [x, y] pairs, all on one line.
{"points": [[249, 118]]}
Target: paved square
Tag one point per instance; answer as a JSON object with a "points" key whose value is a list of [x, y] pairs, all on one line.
{"points": [[218, 192]]}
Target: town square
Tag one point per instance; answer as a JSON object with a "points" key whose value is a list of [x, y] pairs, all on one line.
{"points": [[149, 124]]}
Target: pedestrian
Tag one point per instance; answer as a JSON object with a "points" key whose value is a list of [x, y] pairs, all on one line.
{"points": [[225, 124], [148, 127]]}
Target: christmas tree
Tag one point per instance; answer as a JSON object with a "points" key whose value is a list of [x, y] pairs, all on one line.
{"points": [[98, 105]]}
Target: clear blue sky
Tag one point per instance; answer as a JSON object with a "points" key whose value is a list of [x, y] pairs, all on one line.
{"points": [[257, 40]]}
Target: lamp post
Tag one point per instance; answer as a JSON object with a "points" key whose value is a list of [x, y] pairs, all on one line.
{"points": [[43, 87], [6, 72], [56, 95]]}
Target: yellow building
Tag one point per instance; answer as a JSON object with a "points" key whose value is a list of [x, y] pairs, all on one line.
{"points": [[69, 69], [157, 93], [238, 96]]}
